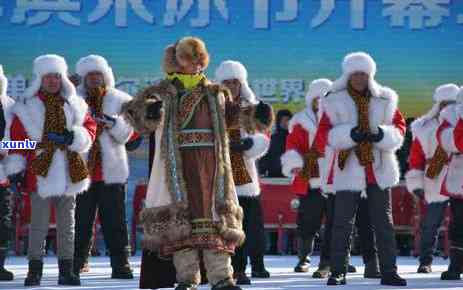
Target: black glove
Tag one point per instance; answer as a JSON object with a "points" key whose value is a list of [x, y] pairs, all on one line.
{"points": [[133, 145], [63, 139], [357, 136], [153, 110], [111, 121], [263, 113], [419, 193], [243, 145], [17, 179], [375, 138]]}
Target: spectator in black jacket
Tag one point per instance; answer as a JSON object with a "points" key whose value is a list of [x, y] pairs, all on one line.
{"points": [[270, 164]]}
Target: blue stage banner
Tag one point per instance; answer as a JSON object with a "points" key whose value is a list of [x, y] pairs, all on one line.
{"points": [[284, 43]]}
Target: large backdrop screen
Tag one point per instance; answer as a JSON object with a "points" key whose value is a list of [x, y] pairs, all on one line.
{"points": [[285, 44]]}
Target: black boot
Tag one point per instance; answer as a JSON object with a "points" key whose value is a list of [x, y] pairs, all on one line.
{"points": [[424, 269], [392, 279], [34, 274], [336, 279], [455, 267], [241, 278], [322, 272], [4, 274], [121, 267], [78, 265], [372, 269], [258, 268], [229, 287], [302, 266], [185, 286], [66, 274], [304, 248], [226, 284], [351, 269]]}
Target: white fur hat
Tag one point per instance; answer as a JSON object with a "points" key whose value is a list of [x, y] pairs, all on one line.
{"points": [[357, 62], [317, 88], [46, 64], [95, 63], [460, 96], [3, 82], [229, 70], [447, 92]]}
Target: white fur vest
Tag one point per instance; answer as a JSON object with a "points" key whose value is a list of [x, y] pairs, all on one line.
{"points": [[424, 130], [31, 113], [114, 161], [292, 159], [7, 105], [454, 171], [258, 149], [343, 116]]}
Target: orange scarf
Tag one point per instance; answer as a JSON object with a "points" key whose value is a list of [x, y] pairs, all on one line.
{"points": [[437, 163], [55, 122], [363, 150], [95, 102]]}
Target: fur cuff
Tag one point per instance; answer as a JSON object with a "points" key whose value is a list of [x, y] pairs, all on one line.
{"points": [[134, 113], [290, 160], [339, 137], [448, 141], [315, 183], [392, 140], [259, 148], [414, 179], [121, 131], [15, 163], [82, 140], [164, 225], [230, 224]]}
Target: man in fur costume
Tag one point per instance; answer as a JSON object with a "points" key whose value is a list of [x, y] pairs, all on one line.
{"points": [[191, 202], [426, 172], [361, 122], [316, 199], [54, 172], [108, 165], [450, 138], [247, 145], [301, 163], [6, 219]]}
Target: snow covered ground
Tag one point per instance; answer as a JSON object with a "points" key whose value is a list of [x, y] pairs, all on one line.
{"points": [[280, 267]]}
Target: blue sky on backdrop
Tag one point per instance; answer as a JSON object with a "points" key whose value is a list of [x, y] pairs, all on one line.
{"points": [[417, 44]]}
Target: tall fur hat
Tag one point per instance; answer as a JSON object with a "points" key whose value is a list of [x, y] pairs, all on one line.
{"points": [[357, 62], [446, 92], [46, 64], [460, 96], [317, 89], [3, 82], [230, 69], [189, 48], [95, 63]]}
